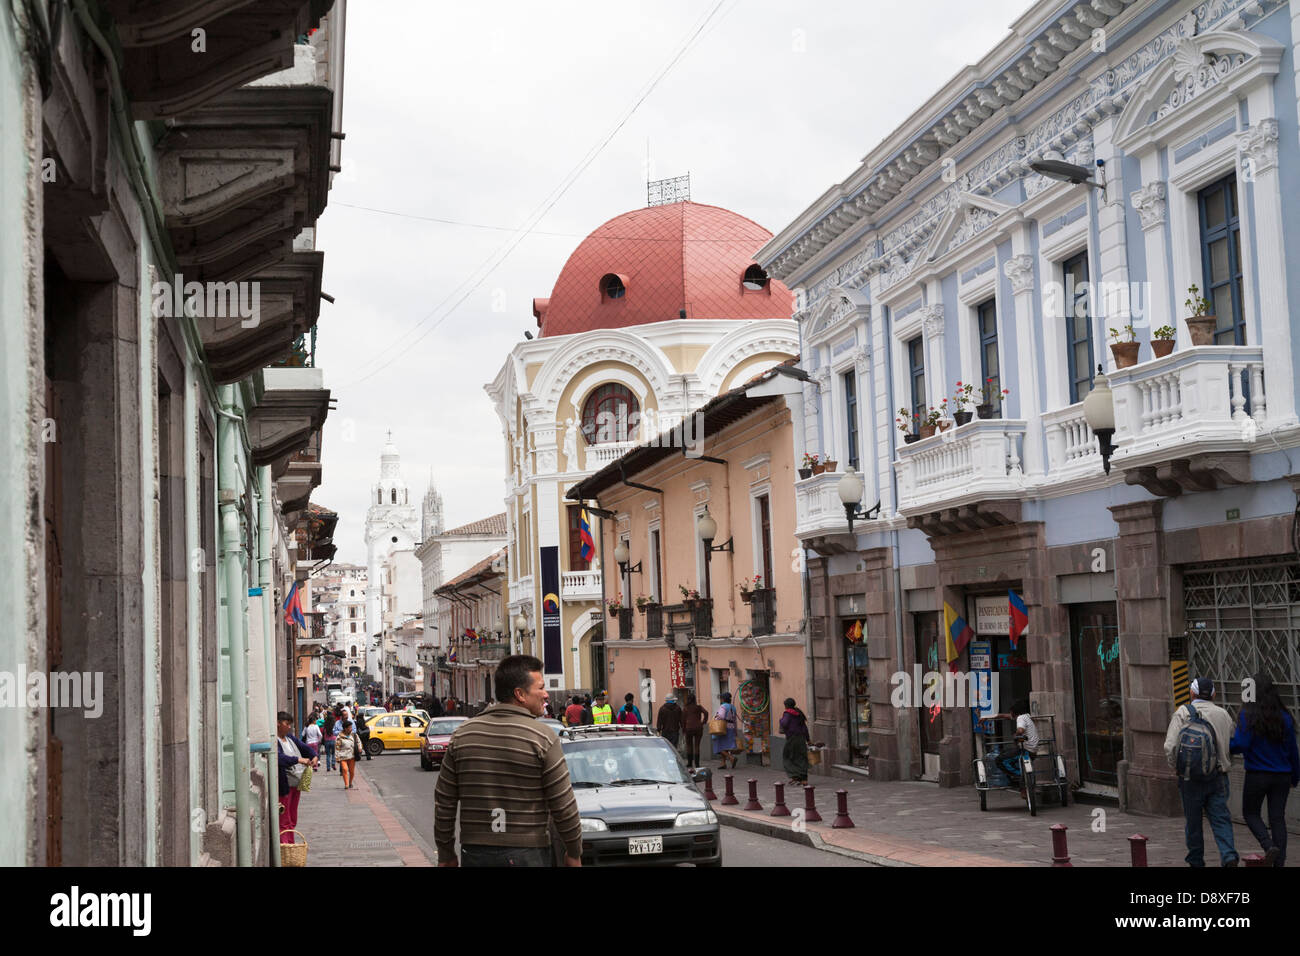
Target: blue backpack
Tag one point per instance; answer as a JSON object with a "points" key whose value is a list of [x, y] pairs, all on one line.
{"points": [[1197, 754]]}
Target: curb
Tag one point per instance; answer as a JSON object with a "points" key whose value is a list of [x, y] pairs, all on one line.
{"points": [[807, 838]]}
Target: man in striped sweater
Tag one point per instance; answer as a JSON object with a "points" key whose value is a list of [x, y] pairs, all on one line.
{"points": [[508, 775]]}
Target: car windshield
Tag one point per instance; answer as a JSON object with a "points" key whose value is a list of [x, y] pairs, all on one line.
{"points": [[443, 727], [622, 763]]}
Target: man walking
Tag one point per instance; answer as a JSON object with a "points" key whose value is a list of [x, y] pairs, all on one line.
{"points": [[669, 723], [1196, 746], [507, 773]]}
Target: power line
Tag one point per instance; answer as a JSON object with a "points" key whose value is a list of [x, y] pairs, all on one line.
{"points": [[548, 203]]}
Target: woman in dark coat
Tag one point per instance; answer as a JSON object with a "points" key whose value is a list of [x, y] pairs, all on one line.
{"points": [[794, 756]]}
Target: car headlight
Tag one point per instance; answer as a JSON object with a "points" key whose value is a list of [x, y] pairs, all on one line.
{"points": [[590, 825], [696, 818]]}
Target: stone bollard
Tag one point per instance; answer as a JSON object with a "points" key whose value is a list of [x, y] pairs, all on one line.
{"points": [[810, 813], [841, 810], [753, 803], [708, 788], [1060, 852], [729, 795], [1137, 849], [780, 810]]}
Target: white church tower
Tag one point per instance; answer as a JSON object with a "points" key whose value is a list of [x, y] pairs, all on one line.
{"points": [[391, 524]]}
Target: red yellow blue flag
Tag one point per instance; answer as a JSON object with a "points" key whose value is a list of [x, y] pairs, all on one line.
{"points": [[588, 548]]}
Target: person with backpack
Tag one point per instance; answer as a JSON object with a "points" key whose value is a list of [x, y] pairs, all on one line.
{"points": [[1197, 748], [1265, 737], [628, 714]]}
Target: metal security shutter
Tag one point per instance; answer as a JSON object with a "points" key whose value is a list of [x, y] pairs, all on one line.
{"points": [[1242, 618]]}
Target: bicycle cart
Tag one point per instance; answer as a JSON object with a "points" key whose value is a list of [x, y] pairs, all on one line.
{"points": [[1040, 771]]}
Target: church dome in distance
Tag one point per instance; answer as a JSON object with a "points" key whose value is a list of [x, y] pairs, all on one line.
{"points": [[649, 264]]}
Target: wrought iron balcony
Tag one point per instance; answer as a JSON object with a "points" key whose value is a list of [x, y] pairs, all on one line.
{"points": [[978, 461], [654, 622], [762, 611], [625, 623], [580, 585]]}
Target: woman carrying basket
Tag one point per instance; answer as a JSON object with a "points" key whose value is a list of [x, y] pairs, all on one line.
{"points": [[295, 756]]}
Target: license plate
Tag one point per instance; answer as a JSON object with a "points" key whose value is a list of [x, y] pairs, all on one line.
{"points": [[639, 845]]}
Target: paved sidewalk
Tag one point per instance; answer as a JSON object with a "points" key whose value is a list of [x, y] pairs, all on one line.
{"points": [[913, 823], [354, 827]]}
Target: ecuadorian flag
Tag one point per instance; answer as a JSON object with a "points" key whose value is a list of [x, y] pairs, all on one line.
{"points": [[588, 549], [957, 634]]}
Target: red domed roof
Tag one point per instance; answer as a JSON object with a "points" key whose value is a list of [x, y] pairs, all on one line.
{"points": [[682, 255]]}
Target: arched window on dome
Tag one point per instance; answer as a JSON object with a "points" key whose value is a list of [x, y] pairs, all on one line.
{"points": [[612, 286], [394, 495], [755, 279], [380, 496], [610, 414]]}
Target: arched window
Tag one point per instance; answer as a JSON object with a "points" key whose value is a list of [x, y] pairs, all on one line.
{"points": [[754, 279], [610, 414], [380, 496], [612, 287], [394, 494]]}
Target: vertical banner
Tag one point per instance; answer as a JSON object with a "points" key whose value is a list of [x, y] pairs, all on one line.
{"points": [[552, 650]]}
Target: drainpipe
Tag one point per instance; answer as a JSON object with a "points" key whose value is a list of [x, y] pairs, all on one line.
{"points": [[264, 526], [231, 555], [194, 568]]}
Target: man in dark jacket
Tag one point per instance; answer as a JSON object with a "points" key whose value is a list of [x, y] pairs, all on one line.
{"points": [[292, 752], [586, 710], [670, 721]]}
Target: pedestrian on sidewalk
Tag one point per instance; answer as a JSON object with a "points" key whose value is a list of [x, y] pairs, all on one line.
{"points": [[574, 714], [349, 745], [669, 723], [294, 755], [1265, 737], [794, 755], [507, 774], [312, 735], [327, 739], [628, 714], [1197, 747], [693, 718], [724, 744], [587, 718]]}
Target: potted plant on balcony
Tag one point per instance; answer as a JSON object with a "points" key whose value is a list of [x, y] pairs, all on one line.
{"points": [[1125, 347], [614, 604], [1201, 323], [747, 588], [806, 466], [643, 602], [991, 397], [905, 422], [1162, 340], [830, 466], [931, 421], [944, 422], [960, 400], [690, 596]]}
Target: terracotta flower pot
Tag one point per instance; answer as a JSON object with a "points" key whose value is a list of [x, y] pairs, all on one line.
{"points": [[818, 468], [1202, 329], [1126, 353], [984, 410], [944, 425], [911, 437], [831, 465], [961, 418], [927, 431], [1162, 347]]}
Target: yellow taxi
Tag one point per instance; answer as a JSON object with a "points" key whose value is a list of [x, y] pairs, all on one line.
{"points": [[400, 730]]}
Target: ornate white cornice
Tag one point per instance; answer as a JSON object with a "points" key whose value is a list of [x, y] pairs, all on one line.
{"points": [[861, 359], [1149, 201], [1020, 270], [1258, 146], [932, 320]]}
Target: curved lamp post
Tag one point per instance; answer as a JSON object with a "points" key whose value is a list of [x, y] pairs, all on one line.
{"points": [[849, 489], [622, 555], [1099, 413]]}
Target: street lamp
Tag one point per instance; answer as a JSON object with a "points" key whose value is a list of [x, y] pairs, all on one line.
{"points": [[708, 531], [849, 489], [623, 556], [1099, 413], [1064, 172]]}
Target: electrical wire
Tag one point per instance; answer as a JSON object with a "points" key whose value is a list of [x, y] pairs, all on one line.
{"points": [[402, 344]]}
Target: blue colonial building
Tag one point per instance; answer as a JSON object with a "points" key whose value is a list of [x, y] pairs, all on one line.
{"points": [[952, 255]]}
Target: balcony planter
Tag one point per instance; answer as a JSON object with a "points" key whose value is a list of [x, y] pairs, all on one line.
{"points": [[747, 596], [961, 418], [984, 410], [805, 473], [911, 437], [1202, 328], [818, 468], [1162, 347], [927, 431], [831, 465], [1126, 353]]}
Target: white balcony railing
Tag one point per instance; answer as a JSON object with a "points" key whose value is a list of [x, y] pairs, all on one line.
{"points": [[1071, 446], [818, 509], [521, 591], [580, 585], [981, 459], [1192, 401], [598, 456]]}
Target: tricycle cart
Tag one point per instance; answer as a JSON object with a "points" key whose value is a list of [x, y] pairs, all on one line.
{"points": [[1040, 771]]}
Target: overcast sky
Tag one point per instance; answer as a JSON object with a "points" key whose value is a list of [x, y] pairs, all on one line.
{"points": [[478, 113]]}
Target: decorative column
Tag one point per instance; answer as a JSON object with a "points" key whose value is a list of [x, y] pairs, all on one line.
{"points": [[822, 376], [932, 325], [1019, 270], [1257, 157]]}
